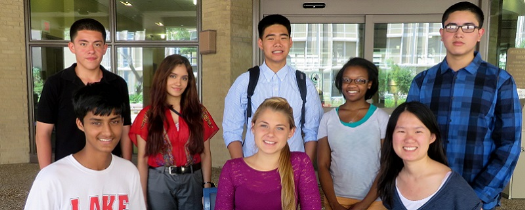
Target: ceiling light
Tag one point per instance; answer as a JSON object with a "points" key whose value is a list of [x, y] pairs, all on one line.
{"points": [[127, 4], [159, 24]]}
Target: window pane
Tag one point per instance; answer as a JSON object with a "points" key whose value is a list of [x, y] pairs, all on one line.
{"points": [[50, 20], [174, 20], [137, 66], [321, 50], [507, 23], [47, 61], [402, 50], [507, 30]]}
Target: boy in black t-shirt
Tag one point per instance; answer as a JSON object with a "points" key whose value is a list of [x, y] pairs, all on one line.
{"points": [[55, 109]]}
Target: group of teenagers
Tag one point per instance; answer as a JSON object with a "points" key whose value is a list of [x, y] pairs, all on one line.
{"points": [[453, 145]]}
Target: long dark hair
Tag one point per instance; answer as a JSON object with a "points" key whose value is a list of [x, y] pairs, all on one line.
{"points": [[191, 110], [391, 164]]}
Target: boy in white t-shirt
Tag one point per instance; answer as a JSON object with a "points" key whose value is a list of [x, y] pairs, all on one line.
{"points": [[92, 178]]}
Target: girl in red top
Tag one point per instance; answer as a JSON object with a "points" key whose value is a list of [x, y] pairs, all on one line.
{"points": [[172, 135]]}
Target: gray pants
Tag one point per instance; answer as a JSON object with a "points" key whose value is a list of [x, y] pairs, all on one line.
{"points": [[174, 192]]}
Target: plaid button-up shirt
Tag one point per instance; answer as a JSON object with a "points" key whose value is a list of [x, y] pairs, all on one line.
{"points": [[479, 115]]}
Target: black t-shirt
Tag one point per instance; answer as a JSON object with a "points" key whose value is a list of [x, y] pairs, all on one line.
{"points": [[56, 107]]}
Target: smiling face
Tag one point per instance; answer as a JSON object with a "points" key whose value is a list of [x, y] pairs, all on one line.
{"points": [[271, 131], [460, 43], [411, 138], [275, 44], [89, 48], [352, 86], [177, 81], [102, 132]]}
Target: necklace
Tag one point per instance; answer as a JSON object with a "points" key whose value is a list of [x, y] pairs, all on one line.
{"points": [[356, 114]]}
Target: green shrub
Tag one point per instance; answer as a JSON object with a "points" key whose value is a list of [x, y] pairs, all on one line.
{"points": [[135, 98]]}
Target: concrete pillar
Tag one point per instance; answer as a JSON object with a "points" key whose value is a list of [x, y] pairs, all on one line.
{"points": [[232, 19]]}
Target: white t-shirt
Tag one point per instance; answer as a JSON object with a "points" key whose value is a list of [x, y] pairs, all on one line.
{"points": [[355, 150], [66, 184]]}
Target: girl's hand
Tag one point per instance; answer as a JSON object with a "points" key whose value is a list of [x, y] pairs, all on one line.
{"points": [[358, 206], [337, 206]]}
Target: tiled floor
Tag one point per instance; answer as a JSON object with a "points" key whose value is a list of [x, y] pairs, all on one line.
{"points": [[16, 180]]}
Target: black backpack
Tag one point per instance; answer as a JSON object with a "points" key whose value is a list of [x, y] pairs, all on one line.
{"points": [[254, 78]]}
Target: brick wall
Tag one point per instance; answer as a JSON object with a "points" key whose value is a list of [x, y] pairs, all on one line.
{"points": [[14, 130], [232, 19]]}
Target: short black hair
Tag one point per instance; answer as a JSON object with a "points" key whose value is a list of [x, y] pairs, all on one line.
{"points": [[372, 70], [272, 20], [464, 6], [101, 98], [86, 24]]}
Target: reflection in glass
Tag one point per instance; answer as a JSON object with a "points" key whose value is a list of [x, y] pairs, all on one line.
{"points": [[51, 19], [137, 66], [401, 50], [507, 30], [320, 50], [174, 20], [508, 20]]}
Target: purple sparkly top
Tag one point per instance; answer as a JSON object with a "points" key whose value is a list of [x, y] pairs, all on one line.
{"points": [[242, 187]]}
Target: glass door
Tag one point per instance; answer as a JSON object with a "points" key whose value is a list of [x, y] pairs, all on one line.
{"points": [[320, 50], [402, 38], [403, 48], [398, 45]]}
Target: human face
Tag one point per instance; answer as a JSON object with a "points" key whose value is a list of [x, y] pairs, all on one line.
{"points": [[353, 91], [271, 131], [177, 81], [411, 138], [89, 47], [459, 43], [275, 44], [102, 132]]}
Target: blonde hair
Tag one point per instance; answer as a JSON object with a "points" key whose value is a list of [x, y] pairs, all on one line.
{"points": [[285, 169]]}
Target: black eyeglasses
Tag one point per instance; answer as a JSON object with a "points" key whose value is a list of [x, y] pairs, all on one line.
{"points": [[467, 28], [356, 81]]}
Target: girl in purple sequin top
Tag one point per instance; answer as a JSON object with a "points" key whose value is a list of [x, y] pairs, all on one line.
{"points": [[274, 177]]}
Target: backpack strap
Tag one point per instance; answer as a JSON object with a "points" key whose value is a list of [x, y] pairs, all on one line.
{"points": [[301, 83], [254, 78]]}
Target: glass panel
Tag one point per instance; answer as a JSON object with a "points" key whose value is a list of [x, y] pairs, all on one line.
{"points": [[507, 23], [174, 20], [507, 30], [51, 19], [137, 66], [401, 50], [47, 61], [320, 50]]}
